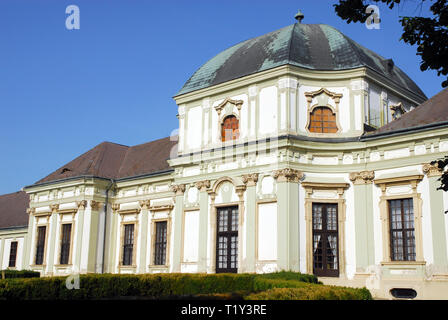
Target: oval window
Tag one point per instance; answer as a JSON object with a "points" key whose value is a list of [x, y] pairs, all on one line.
{"points": [[403, 293]]}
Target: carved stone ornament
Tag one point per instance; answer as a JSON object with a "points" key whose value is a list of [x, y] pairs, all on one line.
{"points": [[363, 177], [237, 103], [94, 204], [397, 111], [54, 207], [178, 189], [431, 170], [288, 175], [31, 210], [250, 180], [81, 204], [335, 96], [115, 206], [144, 204], [202, 185]]}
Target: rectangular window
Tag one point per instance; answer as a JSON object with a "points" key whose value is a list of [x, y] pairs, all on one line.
{"points": [[40, 246], [65, 243], [13, 254], [375, 105], [128, 245], [160, 243], [402, 237]]}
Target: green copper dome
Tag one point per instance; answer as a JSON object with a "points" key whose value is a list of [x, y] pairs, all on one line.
{"points": [[310, 46]]}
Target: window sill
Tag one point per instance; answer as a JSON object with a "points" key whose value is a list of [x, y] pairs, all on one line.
{"points": [[403, 263]]}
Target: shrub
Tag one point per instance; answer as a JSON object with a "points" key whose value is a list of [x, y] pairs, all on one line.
{"points": [[19, 274], [312, 292], [180, 286]]}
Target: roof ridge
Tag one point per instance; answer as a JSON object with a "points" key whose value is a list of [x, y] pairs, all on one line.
{"points": [[290, 42]]}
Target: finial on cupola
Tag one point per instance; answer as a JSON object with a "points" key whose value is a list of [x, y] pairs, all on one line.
{"points": [[299, 16]]}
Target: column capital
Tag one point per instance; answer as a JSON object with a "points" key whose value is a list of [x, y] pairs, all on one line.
{"points": [[178, 189], [81, 204], [202, 185], [115, 207], [54, 207], [250, 180], [431, 170], [362, 177], [94, 204], [144, 204], [288, 175]]}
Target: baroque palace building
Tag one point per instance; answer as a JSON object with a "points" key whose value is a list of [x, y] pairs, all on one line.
{"points": [[297, 150]]}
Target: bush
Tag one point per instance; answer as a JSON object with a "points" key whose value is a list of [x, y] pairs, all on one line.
{"points": [[19, 274], [179, 286], [312, 292]]}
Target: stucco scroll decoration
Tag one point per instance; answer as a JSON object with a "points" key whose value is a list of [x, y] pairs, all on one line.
{"points": [[250, 180], [363, 177], [397, 110], [288, 175], [81, 204], [203, 185], [144, 204], [431, 170], [220, 107], [336, 97], [178, 189]]}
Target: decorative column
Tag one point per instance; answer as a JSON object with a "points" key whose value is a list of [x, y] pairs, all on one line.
{"points": [[250, 180], [112, 240], [439, 238], [79, 227], [52, 238], [252, 112], [28, 239], [364, 239], [93, 235], [203, 224], [142, 246], [239, 190], [288, 218], [178, 212]]}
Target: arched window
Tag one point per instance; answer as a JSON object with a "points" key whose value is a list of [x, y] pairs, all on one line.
{"points": [[323, 120], [230, 129]]}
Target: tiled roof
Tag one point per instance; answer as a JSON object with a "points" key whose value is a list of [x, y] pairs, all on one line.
{"points": [[431, 112], [13, 210], [114, 161], [310, 46]]}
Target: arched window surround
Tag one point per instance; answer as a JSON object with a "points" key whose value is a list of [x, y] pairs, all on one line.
{"points": [[323, 96]]}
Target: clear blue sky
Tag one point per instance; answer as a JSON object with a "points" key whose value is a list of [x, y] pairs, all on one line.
{"points": [[64, 91]]}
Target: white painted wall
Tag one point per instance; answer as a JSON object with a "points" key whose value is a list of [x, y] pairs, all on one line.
{"points": [[267, 111], [267, 231], [191, 236]]}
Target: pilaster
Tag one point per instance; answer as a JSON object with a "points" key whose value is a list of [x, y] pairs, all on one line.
{"points": [[178, 212], [203, 186], [288, 218], [439, 239], [52, 238], [144, 230], [364, 239], [250, 180]]}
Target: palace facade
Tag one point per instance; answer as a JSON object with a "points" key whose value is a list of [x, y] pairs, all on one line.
{"points": [[297, 150]]}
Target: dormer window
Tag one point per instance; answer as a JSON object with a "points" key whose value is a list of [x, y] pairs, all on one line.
{"points": [[230, 128], [323, 120]]}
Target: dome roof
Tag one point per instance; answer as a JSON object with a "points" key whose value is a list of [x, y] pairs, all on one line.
{"points": [[310, 46]]}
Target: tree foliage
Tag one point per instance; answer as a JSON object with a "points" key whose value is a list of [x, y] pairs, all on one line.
{"points": [[430, 34]]}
